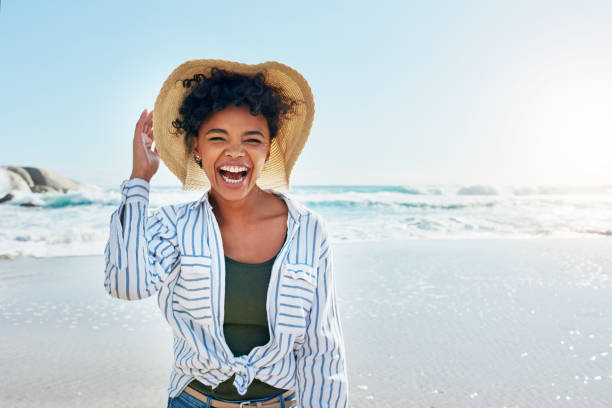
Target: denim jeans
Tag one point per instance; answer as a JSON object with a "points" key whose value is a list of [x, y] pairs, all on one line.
{"points": [[184, 400]]}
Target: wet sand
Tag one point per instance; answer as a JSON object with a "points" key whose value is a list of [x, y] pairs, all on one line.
{"points": [[427, 323]]}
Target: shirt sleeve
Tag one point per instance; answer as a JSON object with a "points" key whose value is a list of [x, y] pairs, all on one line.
{"points": [[321, 373], [141, 250]]}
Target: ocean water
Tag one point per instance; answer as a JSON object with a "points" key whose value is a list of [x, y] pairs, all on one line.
{"points": [[77, 223]]}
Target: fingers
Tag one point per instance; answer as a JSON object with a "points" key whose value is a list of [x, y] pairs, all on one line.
{"points": [[147, 141], [148, 123], [145, 122], [139, 124], [143, 135]]}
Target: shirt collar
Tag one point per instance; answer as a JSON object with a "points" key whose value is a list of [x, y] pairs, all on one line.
{"points": [[296, 209]]}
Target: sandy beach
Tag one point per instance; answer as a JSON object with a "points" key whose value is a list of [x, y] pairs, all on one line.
{"points": [[427, 323]]}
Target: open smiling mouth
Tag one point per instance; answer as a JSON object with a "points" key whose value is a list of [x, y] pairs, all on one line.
{"points": [[233, 174]]}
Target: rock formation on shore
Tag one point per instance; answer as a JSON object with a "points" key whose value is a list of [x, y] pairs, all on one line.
{"points": [[32, 179]]}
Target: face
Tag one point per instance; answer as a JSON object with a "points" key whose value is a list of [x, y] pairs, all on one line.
{"points": [[234, 146]]}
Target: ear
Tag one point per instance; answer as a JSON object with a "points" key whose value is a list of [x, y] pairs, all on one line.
{"points": [[267, 154]]}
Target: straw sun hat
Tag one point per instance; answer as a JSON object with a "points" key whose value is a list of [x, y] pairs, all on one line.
{"points": [[285, 147]]}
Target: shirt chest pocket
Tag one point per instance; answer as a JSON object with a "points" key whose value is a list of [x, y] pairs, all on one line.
{"points": [[296, 294], [192, 294]]}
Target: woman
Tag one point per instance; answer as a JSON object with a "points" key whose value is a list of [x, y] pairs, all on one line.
{"points": [[243, 275]]}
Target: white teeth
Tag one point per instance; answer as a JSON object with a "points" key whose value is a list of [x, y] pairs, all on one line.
{"points": [[229, 180], [234, 169]]}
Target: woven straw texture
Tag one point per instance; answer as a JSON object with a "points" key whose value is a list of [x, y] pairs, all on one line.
{"points": [[285, 147]]}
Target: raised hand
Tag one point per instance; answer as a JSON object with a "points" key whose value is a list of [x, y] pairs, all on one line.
{"points": [[145, 161]]}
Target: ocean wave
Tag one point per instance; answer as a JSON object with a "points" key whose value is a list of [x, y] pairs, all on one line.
{"points": [[76, 223], [96, 196], [368, 204], [563, 190], [430, 196], [84, 197], [477, 190], [363, 189]]}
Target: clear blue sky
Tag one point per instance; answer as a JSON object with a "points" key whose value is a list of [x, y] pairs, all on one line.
{"points": [[405, 92]]}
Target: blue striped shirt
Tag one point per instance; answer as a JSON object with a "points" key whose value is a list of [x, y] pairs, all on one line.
{"points": [[177, 253]]}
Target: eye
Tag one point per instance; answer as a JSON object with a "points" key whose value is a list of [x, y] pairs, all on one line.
{"points": [[216, 138], [253, 141]]}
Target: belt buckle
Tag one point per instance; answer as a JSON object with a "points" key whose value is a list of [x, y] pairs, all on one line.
{"points": [[242, 404]]}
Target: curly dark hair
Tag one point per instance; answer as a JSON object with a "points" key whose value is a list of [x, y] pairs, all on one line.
{"points": [[222, 88]]}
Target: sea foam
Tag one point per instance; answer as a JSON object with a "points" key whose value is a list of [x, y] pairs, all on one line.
{"points": [[54, 224]]}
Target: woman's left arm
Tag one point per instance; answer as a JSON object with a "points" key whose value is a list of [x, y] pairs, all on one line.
{"points": [[321, 373]]}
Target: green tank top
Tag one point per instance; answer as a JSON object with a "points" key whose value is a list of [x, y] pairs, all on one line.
{"points": [[245, 324]]}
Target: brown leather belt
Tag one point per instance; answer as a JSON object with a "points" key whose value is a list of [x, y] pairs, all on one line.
{"points": [[272, 403]]}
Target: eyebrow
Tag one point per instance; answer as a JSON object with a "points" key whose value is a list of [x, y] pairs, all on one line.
{"points": [[247, 133]]}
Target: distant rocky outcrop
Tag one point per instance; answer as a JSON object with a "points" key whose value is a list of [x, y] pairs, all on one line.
{"points": [[35, 180]]}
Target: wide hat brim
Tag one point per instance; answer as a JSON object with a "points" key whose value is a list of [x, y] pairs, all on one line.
{"points": [[285, 147]]}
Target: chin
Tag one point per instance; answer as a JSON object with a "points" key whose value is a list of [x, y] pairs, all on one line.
{"points": [[231, 195]]}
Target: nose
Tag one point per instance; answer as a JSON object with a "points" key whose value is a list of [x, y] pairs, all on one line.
{"points": [[235, 150]]}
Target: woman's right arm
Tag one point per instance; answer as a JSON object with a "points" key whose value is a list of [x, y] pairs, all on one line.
{"points": [[142, 250]]}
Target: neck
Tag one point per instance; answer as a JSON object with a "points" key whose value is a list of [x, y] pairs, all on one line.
{"points": [[230, 212]]}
